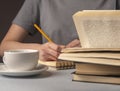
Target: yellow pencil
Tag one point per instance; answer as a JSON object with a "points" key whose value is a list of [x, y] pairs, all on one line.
{"points": [[42, 32]]}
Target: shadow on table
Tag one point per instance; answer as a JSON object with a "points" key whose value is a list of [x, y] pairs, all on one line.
{"points": [[42, 75]]}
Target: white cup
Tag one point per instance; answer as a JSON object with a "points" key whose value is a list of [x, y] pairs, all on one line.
{"points": [[21, 59]]}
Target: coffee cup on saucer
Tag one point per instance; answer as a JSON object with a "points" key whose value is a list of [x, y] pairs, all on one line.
{"points": [[21, 59]]}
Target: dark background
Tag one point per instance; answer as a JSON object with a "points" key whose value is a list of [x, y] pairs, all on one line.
{"points": [[8, 11]]}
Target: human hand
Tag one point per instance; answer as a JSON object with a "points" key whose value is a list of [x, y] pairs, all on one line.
{"points": [[74, 43], [50, 51]]}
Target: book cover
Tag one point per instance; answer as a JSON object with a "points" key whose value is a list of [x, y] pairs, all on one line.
{"points": [[104, 61], [112, 55]]}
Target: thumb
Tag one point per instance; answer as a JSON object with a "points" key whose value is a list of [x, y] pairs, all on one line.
{"points": [[74, 43]]}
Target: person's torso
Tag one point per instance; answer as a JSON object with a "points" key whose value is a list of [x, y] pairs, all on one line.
{"points": [[56, 16]]}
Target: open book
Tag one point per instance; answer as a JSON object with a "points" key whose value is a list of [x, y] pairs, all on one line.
{"points": [[98, 28]]}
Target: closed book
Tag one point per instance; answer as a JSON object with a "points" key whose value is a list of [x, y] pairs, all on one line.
{"points": [[104, 56], [84, 50], [104, 61], [108, 79], [112, 55], [96, 69]]}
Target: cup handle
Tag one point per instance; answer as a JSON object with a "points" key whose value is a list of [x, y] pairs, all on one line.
{"points": [[3, 59]]}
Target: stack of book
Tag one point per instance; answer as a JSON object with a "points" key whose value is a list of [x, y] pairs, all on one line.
{"points": [[99, 58], [97, 73], [94, 64], [108, 56]]}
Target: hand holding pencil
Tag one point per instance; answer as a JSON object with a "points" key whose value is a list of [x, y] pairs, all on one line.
{"points": [[50, 50]]}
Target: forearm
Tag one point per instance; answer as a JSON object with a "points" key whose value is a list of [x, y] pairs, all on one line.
{"points": [[47, 51], [17, 45]]}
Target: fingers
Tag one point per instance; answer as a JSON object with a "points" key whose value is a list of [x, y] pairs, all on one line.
{"points": [[62, 47], [54, 46], [74, 43], [47, 57], [49, 51]]}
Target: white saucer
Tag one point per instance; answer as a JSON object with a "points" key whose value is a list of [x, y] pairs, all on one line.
{"points": [[39, 69]]}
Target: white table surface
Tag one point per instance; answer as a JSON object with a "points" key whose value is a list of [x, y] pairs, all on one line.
{"points": [[52, 81]]}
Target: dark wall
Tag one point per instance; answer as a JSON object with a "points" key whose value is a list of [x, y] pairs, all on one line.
{"points": [[8, 10]]}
